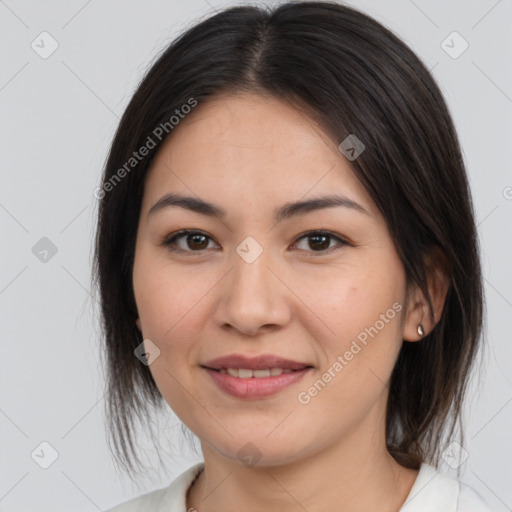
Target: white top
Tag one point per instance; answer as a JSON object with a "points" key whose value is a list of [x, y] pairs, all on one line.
{"points": [[432, 492]]}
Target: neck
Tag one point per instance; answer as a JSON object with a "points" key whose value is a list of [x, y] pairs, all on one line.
{"points": [[350, 475]]}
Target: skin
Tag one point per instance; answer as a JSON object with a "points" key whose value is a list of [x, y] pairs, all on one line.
{"points": [[250, 154]]}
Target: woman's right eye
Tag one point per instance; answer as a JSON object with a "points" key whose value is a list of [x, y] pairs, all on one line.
{"points": [[194, 241]]}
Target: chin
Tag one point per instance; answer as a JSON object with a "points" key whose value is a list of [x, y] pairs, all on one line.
{"points": [[258, 452]]}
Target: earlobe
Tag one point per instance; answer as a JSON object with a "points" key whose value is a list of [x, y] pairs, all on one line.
{"points": [[137, 322], [420, 320], [416, 324]]}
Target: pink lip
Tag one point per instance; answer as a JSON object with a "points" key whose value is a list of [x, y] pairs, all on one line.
{"points": [[254, 387], [254, 363]]}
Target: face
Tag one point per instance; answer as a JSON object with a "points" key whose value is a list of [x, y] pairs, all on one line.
{"points": [[323, 287]]}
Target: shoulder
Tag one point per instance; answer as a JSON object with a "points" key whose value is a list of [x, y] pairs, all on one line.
{"points": [[167, 499], [149, 501], [434, 490], [470, 500]]}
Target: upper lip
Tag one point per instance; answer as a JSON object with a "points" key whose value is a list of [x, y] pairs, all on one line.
{"points": [[254, 363]]}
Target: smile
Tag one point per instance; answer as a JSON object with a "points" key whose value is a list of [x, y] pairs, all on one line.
{"points": [[245, 373], [254, 384]]}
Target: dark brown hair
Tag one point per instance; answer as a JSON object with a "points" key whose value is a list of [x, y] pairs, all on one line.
{"points": [[353, 76]]}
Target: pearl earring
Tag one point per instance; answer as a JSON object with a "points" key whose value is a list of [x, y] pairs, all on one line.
{"points": [[421, 330]]}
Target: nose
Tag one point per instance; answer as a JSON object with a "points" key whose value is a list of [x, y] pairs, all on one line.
{"points": [[253, 296]]}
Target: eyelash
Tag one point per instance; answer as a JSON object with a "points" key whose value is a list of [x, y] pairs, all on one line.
{"points": [[170, 241]]}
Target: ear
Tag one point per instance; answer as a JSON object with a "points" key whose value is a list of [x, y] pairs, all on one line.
{"points": [[138, 324], [418, 311]]}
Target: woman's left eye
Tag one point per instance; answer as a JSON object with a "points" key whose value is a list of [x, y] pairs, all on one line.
{"points": [[196, 241]]}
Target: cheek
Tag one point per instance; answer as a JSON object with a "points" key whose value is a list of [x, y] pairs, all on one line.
{"points": [[359, 312], [173, 308], [349, 302], [168, 305], [166, 297]]}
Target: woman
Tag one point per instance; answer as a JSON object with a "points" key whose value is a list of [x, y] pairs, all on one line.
{"points": [[287, 256]]}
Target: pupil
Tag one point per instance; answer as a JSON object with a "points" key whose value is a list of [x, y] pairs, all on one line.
{"points": [[195, 237], [323, 245]]}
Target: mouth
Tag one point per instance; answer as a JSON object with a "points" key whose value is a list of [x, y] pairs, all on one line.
{"points": [[264, 362], [247, 373], [254, 378]]}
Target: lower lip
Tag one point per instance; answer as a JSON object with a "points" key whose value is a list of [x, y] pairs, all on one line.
{"points": [[255, 387]]}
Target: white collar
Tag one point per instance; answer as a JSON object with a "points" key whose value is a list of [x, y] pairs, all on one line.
{"points": [[431, 492]]}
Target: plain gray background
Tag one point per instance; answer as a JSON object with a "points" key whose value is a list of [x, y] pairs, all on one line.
{"points": [[57, 117]]}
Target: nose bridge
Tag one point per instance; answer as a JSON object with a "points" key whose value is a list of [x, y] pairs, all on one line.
{"points": [[250, 273], [252, 295]]}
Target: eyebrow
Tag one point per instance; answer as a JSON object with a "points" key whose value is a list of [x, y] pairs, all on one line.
{"points": [[287, 211]]}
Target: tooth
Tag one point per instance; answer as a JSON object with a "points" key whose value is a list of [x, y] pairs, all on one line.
{"points": [[261, 373], [245, 373]]}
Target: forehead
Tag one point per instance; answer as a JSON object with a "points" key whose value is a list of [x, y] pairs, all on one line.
{"points": [[247, 148]]}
